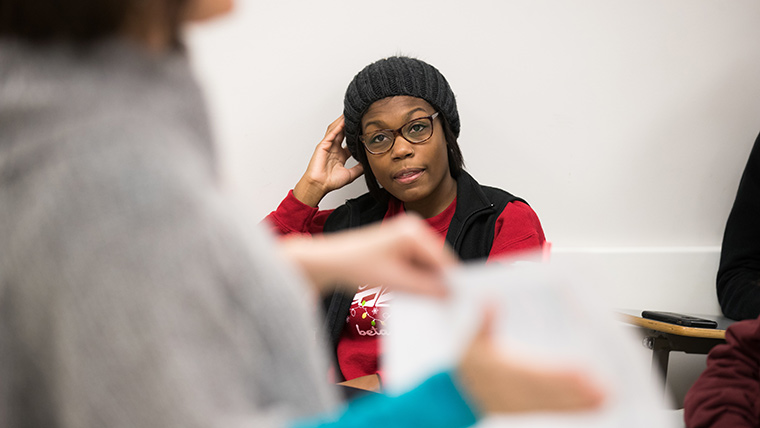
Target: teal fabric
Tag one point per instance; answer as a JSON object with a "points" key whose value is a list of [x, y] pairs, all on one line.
{"points": [[434, 403]]}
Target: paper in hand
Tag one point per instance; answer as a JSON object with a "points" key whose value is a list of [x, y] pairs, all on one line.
{"points": [[547, 315]]}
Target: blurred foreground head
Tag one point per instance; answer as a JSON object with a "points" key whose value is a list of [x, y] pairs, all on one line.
{"points": [[155, 22]]}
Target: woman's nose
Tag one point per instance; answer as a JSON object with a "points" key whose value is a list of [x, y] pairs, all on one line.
{"points": [[402, 148]]}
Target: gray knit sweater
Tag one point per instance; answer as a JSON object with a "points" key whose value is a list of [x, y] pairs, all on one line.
{"points": [[129, 295]]}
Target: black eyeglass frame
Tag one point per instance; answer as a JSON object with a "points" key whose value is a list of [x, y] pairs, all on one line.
{"points": [[397, 132]]}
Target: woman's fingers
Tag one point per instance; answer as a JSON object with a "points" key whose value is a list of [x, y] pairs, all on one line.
{"points": [[486, 330], [420, 258], [334, 133], [331, 145], [326, 170], [402, 254], [355, 172]]}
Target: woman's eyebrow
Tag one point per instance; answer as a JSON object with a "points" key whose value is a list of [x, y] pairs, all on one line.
{"points": [[411, 112], [377, 123]]}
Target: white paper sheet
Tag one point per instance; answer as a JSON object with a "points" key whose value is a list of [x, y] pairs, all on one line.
{"points": [[547, 314]]}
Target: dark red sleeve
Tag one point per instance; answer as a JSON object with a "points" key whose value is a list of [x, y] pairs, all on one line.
{"points": [[293, 216], [517, 229], [726, 394]]}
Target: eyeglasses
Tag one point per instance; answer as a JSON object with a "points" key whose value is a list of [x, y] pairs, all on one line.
{"points": [[416, 131]]}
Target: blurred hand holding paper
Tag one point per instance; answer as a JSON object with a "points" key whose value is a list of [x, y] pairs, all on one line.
{"points": [[547, 316]]}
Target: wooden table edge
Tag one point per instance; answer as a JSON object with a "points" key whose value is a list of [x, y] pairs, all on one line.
{"points": [[707, 333]]}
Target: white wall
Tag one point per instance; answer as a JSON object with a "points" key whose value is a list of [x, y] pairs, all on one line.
{"points": [[625, 123]]}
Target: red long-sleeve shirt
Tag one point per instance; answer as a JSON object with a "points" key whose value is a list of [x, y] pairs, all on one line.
{"points": [[517, 229]]}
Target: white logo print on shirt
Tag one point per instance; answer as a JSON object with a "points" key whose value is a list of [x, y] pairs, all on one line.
{"points": [[367, 312]]}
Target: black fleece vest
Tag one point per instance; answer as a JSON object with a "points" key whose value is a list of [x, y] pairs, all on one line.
{"points": [[470, 234]]}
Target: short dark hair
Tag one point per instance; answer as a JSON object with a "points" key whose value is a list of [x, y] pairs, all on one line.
{"points": [[454, 153], [84, 21]]}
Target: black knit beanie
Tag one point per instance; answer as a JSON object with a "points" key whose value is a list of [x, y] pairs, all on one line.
{"points": [[390, 77]]}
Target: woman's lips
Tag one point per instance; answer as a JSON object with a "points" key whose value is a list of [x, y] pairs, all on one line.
{"points": [[409, 175]]}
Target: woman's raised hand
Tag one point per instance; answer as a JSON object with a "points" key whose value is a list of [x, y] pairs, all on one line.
{"points": [[327, 168]]}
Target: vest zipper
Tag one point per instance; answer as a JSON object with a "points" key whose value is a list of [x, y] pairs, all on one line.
{"points": [[467, 221]]}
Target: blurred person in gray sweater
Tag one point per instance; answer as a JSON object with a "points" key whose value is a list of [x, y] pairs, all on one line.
{"points": [[130, 295]]}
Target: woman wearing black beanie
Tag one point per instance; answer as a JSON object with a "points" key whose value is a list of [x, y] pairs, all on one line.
{"points": [[400, 121]]}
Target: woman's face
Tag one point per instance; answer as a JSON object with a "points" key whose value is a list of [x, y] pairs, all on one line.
{"points": [[416, 174], [201, 10]]}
